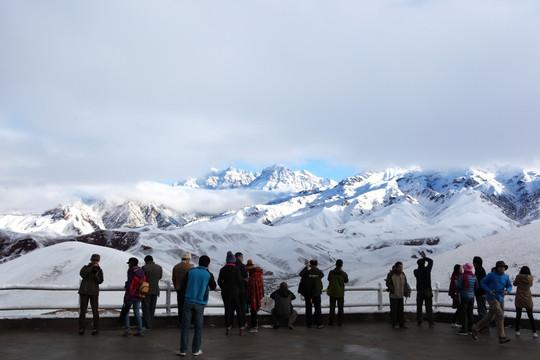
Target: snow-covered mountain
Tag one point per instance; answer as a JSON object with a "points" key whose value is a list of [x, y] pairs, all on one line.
{"points": [[276, 177], [394, 214]]}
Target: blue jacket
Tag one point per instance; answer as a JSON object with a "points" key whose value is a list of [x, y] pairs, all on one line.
{"points": [[496, 282], [195, 285], [473, 286]]}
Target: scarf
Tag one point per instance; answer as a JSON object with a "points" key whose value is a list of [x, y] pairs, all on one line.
{"points": [[466, 278]]}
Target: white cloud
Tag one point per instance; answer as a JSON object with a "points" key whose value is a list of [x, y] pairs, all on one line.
{"points": [[119, 92]]}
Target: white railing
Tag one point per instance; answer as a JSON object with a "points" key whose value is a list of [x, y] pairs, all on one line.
{"points": [[379, 304]]}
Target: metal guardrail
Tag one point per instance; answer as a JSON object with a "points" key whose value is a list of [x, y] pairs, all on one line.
{"points": [[380, 303]]}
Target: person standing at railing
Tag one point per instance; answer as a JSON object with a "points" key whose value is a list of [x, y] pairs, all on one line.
{"points": [[255, 293], [523, 299], [195, 289], [480, 294], [134, 277], [92, 276], [467, 285], [230, 280], [497, 285], [337, 279], [312, 278], [178, 273], [424, 292], [396, 281], [153, 273]]}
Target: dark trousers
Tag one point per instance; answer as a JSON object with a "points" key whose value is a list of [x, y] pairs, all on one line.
{"points": [[529, 315], [180, 303], [340, 302], [95, 312], [421, 298], [232, 304], [149, 309], [313, 302], [396, 312], [466, 314], [254, 318], [242, 298]]}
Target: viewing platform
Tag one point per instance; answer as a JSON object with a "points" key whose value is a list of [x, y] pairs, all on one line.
{"points": [[367, 337]]}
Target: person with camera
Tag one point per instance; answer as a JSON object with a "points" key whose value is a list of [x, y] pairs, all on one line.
{"points": [[92, 276]]}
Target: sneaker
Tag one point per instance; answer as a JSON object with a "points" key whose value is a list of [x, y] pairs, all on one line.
{"points": [[320, 326], [474, 334], [291, 327], [461, 332], [403, 327], [503, 340], [396, 326], [432, 325], [518, 333], [81, 332], [535, 334], [139, 333], [126, 333], [228, 332], [455, 325], [197, 353], [181, 353], [94, 332], [252, 330]]}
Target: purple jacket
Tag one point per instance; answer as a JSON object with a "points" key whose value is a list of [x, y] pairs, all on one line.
{"points": [[132, 273]]}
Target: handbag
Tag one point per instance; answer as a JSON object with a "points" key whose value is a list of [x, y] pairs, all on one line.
{"points": [[456, 301], [267, 304]]}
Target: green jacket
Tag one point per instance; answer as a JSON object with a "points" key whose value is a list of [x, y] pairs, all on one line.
{"points": [[337, 279]]}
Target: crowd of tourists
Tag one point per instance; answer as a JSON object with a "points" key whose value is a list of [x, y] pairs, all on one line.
{"points": [[242, 293], [465, 288]]}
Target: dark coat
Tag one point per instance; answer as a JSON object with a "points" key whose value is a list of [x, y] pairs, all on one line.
{"points": [[283, 303], [229, 281], [314, 283], [153, 273], [91, 276], [423, 276]]}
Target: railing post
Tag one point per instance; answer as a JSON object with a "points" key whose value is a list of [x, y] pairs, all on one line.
{"points": [[380, 296], [168, 298]]}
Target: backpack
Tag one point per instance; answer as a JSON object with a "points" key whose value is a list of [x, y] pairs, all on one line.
{"points": [[304, 287], [139, 286], [142, 290]]}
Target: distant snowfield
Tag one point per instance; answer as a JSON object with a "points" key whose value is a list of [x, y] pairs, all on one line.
{"points": [[59, 265]]}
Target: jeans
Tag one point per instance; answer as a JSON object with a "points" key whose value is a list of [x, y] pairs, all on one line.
{"points": [[420, 299], [340, 302], [95, 312], [149, 309], [195, 312], [314, 301], [137, 312]]}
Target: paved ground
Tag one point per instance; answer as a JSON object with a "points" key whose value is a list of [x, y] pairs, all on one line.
{"points": [[365, 340]]}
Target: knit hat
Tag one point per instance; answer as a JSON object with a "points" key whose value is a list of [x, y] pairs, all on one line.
{"points": [[250, 265], [467, 267], [95, 257], [230, 257], [186, 255]]}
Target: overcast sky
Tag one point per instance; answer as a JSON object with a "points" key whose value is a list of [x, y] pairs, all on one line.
{"points": [[113, 92]]}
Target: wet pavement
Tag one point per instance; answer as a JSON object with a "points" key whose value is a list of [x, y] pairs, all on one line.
{"points": [[365, 340]]}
